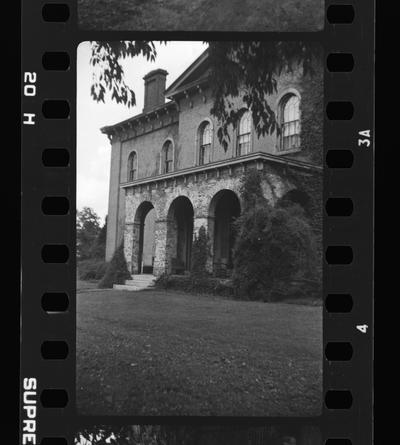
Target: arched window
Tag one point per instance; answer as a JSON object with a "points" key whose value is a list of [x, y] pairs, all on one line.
{"points": [[132, 166], [167, 157], [290, 122], [244, 135], [205, 143]]}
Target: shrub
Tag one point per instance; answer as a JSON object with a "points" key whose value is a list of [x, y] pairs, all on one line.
{"points": [[250, 275], [177, 282], [273, 247], [101, 270], [200, 254], [207, 285], [93, 269], [296, 289], [117, 270], [251, 190], [163, 281], [224, 288]]}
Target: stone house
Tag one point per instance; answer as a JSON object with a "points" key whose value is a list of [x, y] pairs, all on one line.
{"points": [[170, 175]]}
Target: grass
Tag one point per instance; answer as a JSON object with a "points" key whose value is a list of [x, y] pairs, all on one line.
{"points": [[82, 285], [202, 15], [168, 353]]}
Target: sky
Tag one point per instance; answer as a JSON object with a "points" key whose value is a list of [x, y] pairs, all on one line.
{"points": [[93, 147]]}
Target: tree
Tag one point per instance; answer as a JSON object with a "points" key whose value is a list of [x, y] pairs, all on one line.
{"points": [[117, 270], [235, 67], [98, 250], [252, 68], [87, 230], [108, 73], [273, 245]]}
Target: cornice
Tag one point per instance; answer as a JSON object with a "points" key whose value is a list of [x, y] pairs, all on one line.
{"points": [[259, 158], [130, 123]]}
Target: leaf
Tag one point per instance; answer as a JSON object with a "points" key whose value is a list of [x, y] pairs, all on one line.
{"points": [[251, 67]]}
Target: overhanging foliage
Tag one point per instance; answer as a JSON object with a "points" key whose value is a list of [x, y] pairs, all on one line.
{"points": [[248, 69]]}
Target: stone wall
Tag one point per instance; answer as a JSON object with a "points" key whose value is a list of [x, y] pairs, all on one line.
{"points": [[200, 191]]}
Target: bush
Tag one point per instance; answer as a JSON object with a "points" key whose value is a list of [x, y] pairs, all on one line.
{"points": [[117, 270], [177, 282], [198, 281], [273, 247], [93, 269], [163, 281], [224, 288], [101, 270], [200, 254], [296, 289], [207, 285], [251, 190]]}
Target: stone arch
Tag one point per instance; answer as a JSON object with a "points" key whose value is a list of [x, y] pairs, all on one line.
{"points": [[224, 208], [143, 238], [180, 223]]}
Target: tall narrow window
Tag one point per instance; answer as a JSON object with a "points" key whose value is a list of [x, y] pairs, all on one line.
{"points": [[290, 123], [244, 135], [205, 143], [167, 157], [132, 166]]}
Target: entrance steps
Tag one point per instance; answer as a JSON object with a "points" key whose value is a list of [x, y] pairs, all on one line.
{"points": [[138, 282]]}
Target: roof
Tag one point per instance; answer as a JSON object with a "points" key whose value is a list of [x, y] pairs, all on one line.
{"points": [[196, 73]]}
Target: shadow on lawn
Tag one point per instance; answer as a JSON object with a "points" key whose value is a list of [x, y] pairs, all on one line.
{"points": [[167, 353]]}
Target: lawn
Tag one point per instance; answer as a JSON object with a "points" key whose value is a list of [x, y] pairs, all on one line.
{"points": [[202, 15], [83, 285], [169, 353]]}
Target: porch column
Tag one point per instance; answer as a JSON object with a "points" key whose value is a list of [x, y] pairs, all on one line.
{"points": [[129, 237], [137, 233], [160, 256]]}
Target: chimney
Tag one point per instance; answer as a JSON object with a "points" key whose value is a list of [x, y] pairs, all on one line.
{"points": [[154, 89]]}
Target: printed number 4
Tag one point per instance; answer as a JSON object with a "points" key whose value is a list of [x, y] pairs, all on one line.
{"points": [[367, 138], [362, 328]]}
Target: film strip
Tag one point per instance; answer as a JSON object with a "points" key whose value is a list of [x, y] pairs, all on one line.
{"points": [[50, 38]]}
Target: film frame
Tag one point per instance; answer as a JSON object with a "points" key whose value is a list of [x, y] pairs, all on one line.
{"points": [[48, 239]]}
